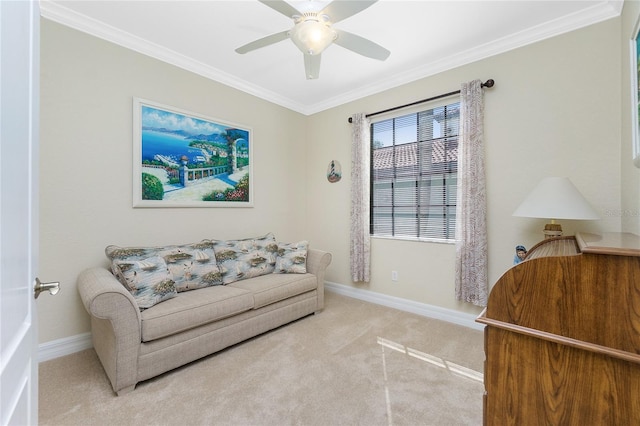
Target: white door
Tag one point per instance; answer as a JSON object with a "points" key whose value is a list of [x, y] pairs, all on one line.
{"points": [[19, 110]]}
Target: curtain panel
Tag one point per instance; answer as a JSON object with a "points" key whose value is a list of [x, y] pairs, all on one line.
{"points": [[360, 252], [471, 276]]}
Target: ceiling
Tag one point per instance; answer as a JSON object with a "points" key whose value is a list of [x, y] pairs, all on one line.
{"points": [[425, 37]]}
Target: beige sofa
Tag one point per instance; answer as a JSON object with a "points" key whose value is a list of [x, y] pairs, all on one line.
{"points": [[135, 345]]}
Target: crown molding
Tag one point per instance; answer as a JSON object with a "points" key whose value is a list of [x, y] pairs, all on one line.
{"points": [[597, 13], [65, 16]]}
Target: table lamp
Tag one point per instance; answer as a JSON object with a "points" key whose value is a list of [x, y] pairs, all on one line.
{"points": [[556, 198]]}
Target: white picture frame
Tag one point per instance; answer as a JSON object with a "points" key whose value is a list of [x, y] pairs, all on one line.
{"points": [[184, 159]]}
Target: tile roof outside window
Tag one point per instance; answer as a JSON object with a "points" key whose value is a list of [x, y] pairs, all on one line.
{"points": [[406, 155]]}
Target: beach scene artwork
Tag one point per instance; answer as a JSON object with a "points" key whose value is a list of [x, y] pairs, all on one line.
{"points": [[185, 160]]}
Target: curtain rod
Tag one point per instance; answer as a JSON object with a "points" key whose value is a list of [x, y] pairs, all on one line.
{"points": [[488, 83]]}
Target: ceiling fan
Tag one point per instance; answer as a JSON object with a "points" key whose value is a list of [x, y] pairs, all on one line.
{"points": [[313, 32]]}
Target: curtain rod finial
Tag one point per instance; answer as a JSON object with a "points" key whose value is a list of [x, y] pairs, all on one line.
{"points": [[489, 83]]}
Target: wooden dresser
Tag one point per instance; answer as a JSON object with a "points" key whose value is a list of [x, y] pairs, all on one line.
{"points": [[562, 335]]}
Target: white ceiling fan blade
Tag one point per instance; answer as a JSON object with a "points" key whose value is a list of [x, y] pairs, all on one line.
{"points": [[264, 41], [281, 6], [312, 66], [361, 45], [339, 10]]}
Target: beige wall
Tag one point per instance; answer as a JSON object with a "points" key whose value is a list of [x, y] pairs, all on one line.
{"points": [[630, 209], [87, 87], [555, 110]]}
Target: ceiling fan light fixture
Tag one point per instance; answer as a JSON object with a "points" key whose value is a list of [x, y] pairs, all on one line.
{"points": [[312, 34]]}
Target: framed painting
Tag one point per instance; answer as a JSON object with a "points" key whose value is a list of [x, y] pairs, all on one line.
{"points": [[182, 159], [635, 98]]}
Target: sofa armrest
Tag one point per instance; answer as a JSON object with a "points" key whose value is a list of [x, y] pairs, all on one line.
{"points": [[317, 263], [105, 297], [115, 325]]}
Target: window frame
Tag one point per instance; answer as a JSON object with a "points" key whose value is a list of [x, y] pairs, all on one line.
{"points": [[453, 173]]}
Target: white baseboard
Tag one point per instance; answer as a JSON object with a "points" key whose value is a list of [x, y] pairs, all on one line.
{"points": [[80, 342], [65, 346], [431, 311]]}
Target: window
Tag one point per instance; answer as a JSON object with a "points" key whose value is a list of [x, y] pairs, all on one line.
{"points": [[414, 168]]}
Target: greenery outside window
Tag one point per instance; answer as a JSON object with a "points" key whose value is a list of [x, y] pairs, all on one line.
{"points": [[414, 169]]}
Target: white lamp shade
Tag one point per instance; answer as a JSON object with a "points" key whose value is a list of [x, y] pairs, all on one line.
{"points": [[556, 198]]}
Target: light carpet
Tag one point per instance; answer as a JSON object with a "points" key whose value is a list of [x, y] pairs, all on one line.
{"points": [[355, 363]]}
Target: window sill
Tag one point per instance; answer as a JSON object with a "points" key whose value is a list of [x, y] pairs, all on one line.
{"points": [[413, 239]]}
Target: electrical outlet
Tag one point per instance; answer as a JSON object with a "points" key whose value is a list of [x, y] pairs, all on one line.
{"points": [[394, 275]]}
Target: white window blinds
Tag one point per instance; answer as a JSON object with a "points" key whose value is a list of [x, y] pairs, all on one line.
{"points": [[414, 174]]}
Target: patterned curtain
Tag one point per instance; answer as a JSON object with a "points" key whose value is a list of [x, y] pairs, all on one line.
{"points": [[360, 258], [471, 224]]}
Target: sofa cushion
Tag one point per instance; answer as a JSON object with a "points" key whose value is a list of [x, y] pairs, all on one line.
{"points": [[292, 258], [192, 309], [247, 258], [192, 265], [148, 280], [272, 288]]}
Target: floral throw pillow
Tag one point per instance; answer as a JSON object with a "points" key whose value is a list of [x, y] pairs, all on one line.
{"points": [[247, 258], [292, 258], [148, 280], [191, 265]]}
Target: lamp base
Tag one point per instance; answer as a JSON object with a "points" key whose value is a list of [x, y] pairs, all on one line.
{"points": [[552, 230]]}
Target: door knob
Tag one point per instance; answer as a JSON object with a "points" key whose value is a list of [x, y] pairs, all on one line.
{"points": [[52, 287]]}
